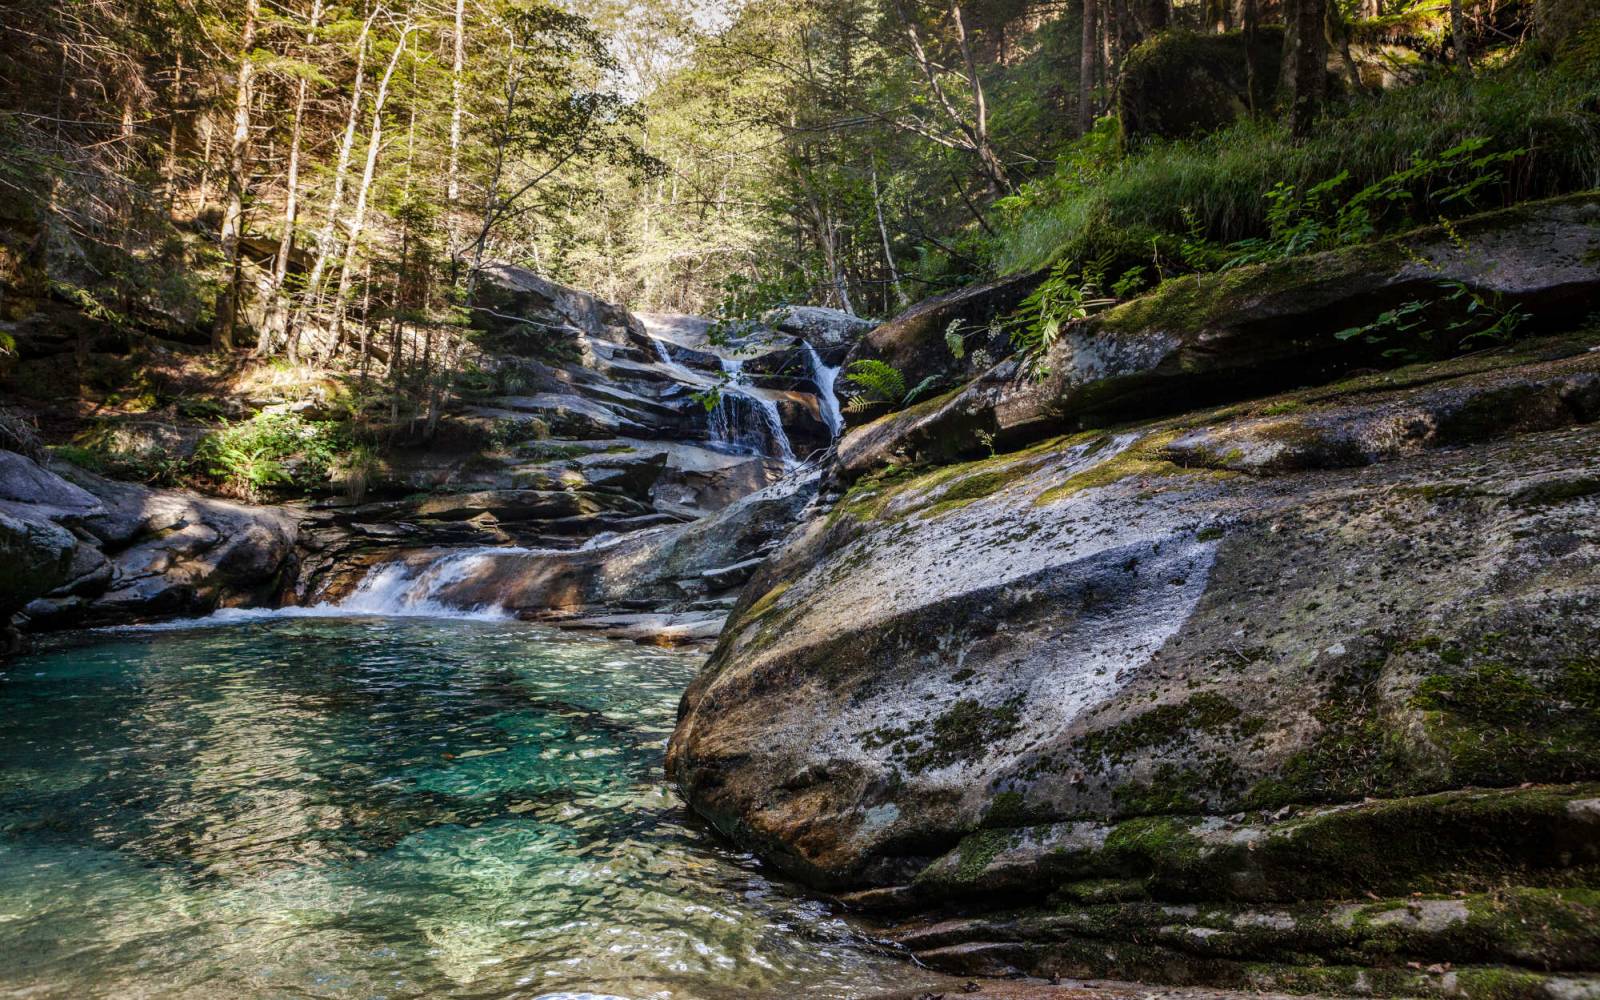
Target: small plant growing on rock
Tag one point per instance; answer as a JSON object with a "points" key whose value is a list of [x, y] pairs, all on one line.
{"points": [[1066, 296], [880, 382]]}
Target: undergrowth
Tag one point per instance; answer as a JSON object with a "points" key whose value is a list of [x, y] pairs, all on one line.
{"points": [[1149, 202]]}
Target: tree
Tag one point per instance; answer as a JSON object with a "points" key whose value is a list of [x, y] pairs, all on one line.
{"points": [[238, 181], [278, 302], [1305, 63], [1086, 66]]}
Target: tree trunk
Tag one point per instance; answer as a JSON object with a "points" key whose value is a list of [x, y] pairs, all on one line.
{"points": [[1086, 67], [999, 182], [174, 102], [975, 135], [358, 217], [222, 334], [883, 232], [1308, 57], [453, 170], [1458, 36], [325, 236], [278, 316], [1252, 72]]}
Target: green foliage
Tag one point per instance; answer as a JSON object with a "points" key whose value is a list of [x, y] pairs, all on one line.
{"points": [[1409, 154], [1317, 219], [269, 451], [875, 382], [954, 340], [83, 458], [505, 434], [1470, 318], [1065, 296], [356, 468]]}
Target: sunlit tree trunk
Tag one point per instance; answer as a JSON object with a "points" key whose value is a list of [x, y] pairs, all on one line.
{"points": [[976, 139], [222, 335], [278, 316], [358, 216], [883, 233], [992, 166], [325, 236], [174, 103], [453, 170]]}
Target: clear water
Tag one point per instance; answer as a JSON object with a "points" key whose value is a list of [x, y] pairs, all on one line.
{"points": [[377, 808]]}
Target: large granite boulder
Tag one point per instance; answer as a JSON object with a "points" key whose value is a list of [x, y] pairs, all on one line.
{"points": [[1179, 83], [84, 550], [918, 342], [523, 309], [1205, 698], [36, 557], [818, 326]]}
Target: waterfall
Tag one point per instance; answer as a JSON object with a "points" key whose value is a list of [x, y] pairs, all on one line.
{"points": [[743, 419], [730, 420], [825, 378], [402, 589], [683, 373]]}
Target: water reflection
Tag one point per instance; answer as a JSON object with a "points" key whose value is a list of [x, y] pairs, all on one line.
{"points": [[377, 808]]}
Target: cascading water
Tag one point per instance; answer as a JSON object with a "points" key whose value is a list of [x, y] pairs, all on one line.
{"points": [[731, 419], [403, 589], [825, 379], [743, 419]]}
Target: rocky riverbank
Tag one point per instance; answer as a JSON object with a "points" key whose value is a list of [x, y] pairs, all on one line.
{"points": [[616, 473], [1151, 669]]}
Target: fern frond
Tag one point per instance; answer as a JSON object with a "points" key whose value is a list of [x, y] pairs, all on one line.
{"points": [[878, 381], [921, 387]]}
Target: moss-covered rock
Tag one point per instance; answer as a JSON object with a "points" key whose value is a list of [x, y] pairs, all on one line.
{"points": [[1206, 339], [918, 342], [1293, 692], [1180, 83]]}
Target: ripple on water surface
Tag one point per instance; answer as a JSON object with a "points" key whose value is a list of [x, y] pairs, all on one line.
{"points": [[365, 808]]}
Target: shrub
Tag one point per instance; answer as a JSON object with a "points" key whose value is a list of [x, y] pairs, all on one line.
{"points": [[269, 451]]}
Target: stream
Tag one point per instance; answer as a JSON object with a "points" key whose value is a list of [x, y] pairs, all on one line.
{"points": [[307, 805]]}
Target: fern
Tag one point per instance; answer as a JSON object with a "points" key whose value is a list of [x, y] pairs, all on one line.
{"points": [[919, 389], [1064, 297], [954, 340], [877, 381], [880, 382]]}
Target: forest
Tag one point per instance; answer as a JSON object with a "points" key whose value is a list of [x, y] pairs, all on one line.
{"points": [[326, 181]]}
